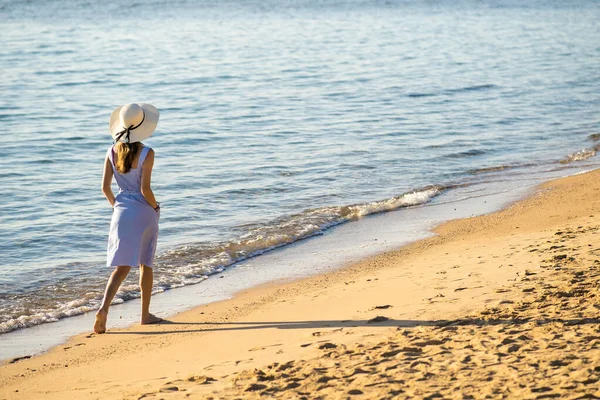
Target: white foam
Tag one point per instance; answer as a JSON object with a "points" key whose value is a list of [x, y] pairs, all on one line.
{"points": [[579, 156], [406, 200]]}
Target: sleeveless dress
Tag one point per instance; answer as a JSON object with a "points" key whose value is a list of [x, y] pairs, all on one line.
{"points": [[134, 225]]}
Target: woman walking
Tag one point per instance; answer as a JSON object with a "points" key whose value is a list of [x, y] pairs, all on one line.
{"points": [[134, 224]]}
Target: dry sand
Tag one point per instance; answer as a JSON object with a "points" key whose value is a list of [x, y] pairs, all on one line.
{"points": [[499, 306]]}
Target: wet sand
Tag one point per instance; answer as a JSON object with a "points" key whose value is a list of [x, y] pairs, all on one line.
{"points": [[503, 305]]}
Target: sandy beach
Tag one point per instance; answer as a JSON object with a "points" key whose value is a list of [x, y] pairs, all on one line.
{"points": [[503, 305]]}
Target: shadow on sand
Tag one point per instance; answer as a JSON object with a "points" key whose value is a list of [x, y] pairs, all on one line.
{"points": [[375, 322]]}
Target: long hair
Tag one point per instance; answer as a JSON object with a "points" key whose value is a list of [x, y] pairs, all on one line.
{"points": [[125, 153]]}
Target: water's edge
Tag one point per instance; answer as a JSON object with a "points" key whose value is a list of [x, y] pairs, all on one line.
{"points": [[337, 248]]}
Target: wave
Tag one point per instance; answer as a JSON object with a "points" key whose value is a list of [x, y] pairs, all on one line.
{"points": [[466, 153], [193, 263], [189, 264], [472, 88], [489, 169], [421, 95], [579, 156]]}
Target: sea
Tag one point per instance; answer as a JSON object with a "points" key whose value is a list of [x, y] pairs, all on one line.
{"points": [[281, 120]]}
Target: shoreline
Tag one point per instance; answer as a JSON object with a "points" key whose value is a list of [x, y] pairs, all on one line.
{"points": [[493, 187], [420, 282], [336, 248]]}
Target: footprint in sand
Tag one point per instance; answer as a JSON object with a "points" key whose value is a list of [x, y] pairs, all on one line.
{"points": [[264, 347], [200, 379], [384, 307], [327, 345]]}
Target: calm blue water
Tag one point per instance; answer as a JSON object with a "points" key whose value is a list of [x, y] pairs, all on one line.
{"points": [[279, 120]]}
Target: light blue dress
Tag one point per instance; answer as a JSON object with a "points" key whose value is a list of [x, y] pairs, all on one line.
{"points": [[134, 225]]}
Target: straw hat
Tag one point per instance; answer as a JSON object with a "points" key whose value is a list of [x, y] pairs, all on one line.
{"points": [[133, 122]]}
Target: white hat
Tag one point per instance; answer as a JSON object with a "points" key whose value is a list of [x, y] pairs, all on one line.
{"points": [[133, 122]]}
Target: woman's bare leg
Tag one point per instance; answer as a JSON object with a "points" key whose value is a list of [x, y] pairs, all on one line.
{"points": [[146, 281], [114, 282]]}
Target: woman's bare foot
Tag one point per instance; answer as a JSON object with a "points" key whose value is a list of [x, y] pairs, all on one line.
{"points": [[100, 324], [150, 319]]}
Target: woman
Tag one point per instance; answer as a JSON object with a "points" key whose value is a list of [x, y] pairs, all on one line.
{"points": [[134, 225]]}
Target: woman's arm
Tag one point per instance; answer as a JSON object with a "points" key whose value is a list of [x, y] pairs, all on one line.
{"points": [[146, 178], [106, 182]]}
